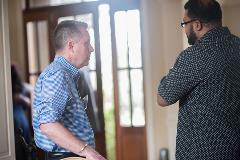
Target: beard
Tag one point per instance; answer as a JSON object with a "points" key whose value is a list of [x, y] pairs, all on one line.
{"points": [[192, 38]]}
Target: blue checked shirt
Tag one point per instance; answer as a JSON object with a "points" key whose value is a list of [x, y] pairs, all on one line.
{"points": [[57, 100]]}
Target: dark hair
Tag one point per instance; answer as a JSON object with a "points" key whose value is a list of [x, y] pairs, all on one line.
{"points": [[17, 85], [204, 10], [66, 29]]}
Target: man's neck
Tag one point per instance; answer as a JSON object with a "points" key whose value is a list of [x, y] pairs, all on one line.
{"points": [[207, 28]]}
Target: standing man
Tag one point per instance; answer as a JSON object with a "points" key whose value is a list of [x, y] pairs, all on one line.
{"points": [[206, 80], [61, 126]]}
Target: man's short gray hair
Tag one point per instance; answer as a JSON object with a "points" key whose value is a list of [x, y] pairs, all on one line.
{"points": [[66, 29]]}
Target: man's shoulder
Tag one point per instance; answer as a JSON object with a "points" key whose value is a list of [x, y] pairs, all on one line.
{"points": [[52, 69], [190, 52], [236, 38]]}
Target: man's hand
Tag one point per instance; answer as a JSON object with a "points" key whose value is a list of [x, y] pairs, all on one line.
{"points": [[161, 102], [64, 138], [91, 154]]}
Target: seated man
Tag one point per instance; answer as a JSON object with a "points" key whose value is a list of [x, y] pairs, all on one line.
{"points": [[61, 126]]}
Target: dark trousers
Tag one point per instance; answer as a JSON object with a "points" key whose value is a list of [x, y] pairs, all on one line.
{"points": [[21, 121], [59, 155]]}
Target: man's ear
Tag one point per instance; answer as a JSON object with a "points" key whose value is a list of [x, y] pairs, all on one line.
{"points": [[70, 44], [197, 26]]}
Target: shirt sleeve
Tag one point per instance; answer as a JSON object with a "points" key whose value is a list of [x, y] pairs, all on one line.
{"points": [[181, 79], [54, 94]]}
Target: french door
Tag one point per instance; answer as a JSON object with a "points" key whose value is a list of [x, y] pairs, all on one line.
{"points": [[128, 81]]}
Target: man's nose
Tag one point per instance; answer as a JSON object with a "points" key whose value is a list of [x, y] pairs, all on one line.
{"points": [[91, 49]]}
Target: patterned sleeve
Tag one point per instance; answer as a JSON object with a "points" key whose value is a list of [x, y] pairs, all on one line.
{"points": [[54, 98], [181, 79]]}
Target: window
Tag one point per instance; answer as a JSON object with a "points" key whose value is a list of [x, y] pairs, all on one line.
{"points": [[41, 3], [38, 49], [129, 66]]}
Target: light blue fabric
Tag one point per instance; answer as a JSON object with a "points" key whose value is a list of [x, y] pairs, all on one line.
{"points": [[56, 100]]}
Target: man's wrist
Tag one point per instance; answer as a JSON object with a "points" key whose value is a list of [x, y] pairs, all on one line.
{"points": [[83, 148]]}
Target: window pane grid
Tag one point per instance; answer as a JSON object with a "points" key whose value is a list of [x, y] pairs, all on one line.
{"points": [[124, 98], [129, 62], [136, 79], [42, 3], [129, 68], [133, 93]]}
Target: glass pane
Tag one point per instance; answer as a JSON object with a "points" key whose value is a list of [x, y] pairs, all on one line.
{"points": [[106, 54], [121, 39], [43, 48], [89, 0], [93, 79], [38, 49], [107, 80], [41, 3], [124, 101], [87, 18], [134, 38], [137, 97], [65, 18], [32, 47], [128, 38]]}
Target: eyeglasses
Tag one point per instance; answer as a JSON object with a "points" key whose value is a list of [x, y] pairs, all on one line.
{"points": [[183, 24]]}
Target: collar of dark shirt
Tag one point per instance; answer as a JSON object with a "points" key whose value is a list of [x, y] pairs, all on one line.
{"points": [[71, 68], [215, 33]]}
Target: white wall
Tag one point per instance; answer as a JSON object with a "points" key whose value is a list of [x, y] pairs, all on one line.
{"points": [[16, 34], [231, 15], [162, 42]]}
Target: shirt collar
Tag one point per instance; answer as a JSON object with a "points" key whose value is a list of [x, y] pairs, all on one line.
{"points": [[71, 68], [214, 34]]}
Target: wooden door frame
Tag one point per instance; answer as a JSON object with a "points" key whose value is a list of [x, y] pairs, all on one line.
{"points": [[119, 6], [7, 150]]}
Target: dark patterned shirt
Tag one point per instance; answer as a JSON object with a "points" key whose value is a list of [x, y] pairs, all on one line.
{"points": [[206, 80]]}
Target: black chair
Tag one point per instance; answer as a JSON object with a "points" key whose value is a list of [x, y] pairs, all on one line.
{"points": [[23, 150]]}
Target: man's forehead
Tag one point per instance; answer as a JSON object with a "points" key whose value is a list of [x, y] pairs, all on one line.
{"points": [[84, 34], [185, 15]]}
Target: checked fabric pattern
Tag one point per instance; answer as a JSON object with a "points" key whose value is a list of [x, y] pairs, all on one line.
{"points": [[206, 80], [57, 100]]}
